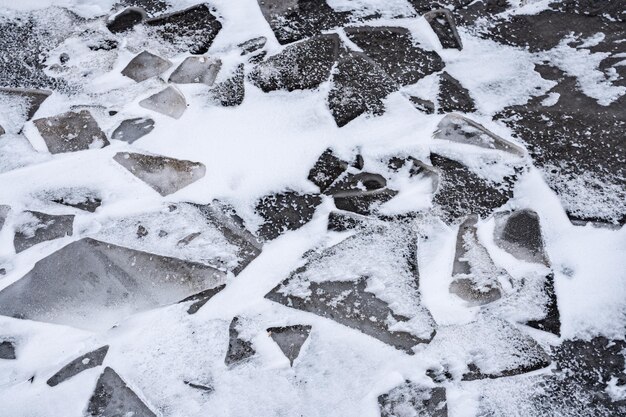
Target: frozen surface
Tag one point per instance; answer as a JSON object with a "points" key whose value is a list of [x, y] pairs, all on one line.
{"points": [[312, 208]]}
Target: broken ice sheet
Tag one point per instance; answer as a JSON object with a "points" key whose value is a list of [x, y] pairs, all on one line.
{"points": [[91, 284], [7, 349], [35, 227], [77, 197], [519, 233], [476, 278], [18, 106], [578, 385], [486, 348], [457, 128], [239, 349], [531, 298], [369, 282], [290, 339], [131, 130], [164, 175], [442, 23], [169, 102], [145, 65], [361, 193], [221, 240], [87, 361], [113, 397], [473, 184], [71, 132], [196, 69], [411, 399]]}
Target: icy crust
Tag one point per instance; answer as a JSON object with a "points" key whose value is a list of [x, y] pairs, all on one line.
{"points": [[590, 196], [524, 299], [167, 232], [372, 347], [27, 35], [580, 384], [486, 348], [384, 255]]}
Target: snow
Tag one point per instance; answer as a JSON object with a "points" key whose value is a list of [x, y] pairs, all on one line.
{"points": [[268, 144]]}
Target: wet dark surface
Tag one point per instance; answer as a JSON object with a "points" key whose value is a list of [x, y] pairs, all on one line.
{"points": [[359, 86], [195, 28], [292, 20], [302, 66], [286, 211], [327, 169], [230, 92], [453, 96], [126, 19], [578, 145], [395, 50], [461, 192]]}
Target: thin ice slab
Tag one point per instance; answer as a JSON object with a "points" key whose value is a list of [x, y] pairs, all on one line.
{"points": [[290, 339], [196, 69], [164, 175], [82, 363], [71, 132], [113, 398], [169, 102], [145, 65], [368, 282], [36, 227], [460, 129], [92, 284]]}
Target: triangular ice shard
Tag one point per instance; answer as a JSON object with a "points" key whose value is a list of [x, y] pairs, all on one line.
{"points": [[290, 339]]}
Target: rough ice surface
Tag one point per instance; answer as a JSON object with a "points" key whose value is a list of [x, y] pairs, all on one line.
{"points": [[309, 208]]}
